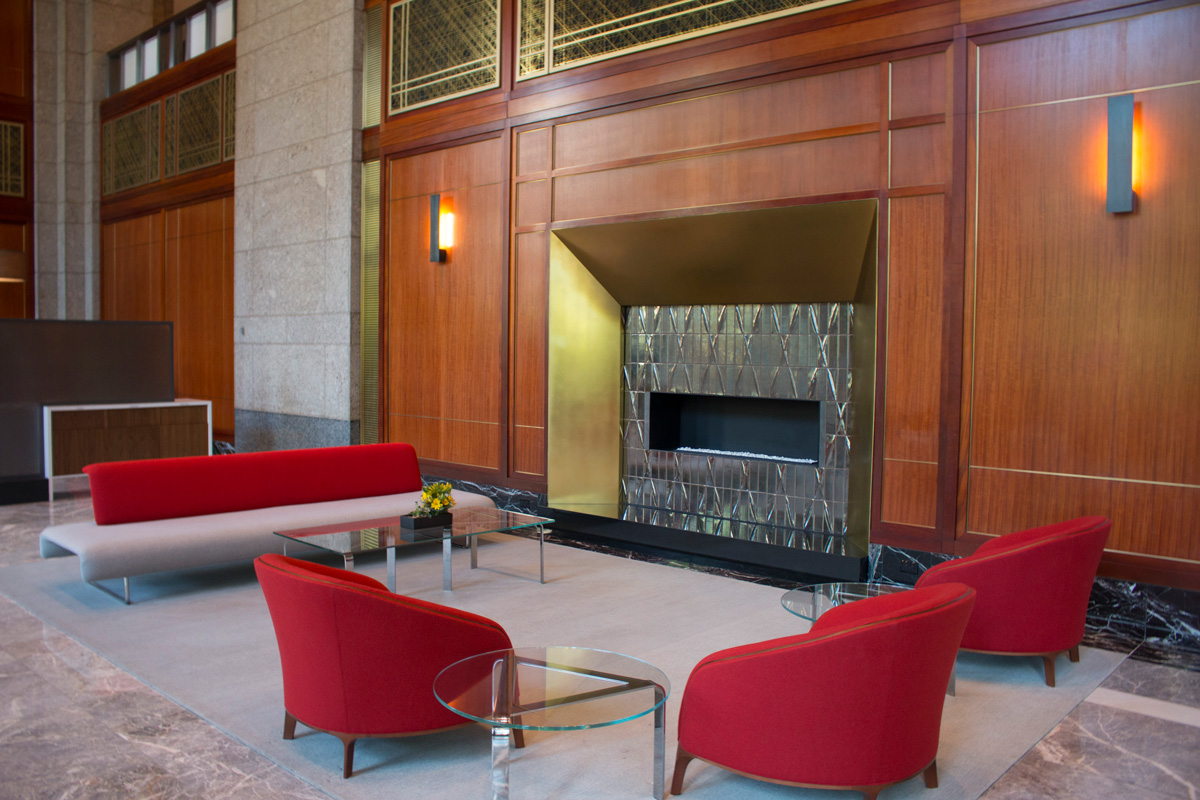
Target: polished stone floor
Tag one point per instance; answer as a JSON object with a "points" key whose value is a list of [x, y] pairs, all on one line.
{"points": [[73, 725]]}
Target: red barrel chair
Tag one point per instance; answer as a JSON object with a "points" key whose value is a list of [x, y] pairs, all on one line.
{"points": [[359, 661], [855, 703], [1033, 588]]}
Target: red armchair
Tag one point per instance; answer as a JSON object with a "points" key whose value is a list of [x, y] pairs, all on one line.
{"points": [[1033, 588], [359, 661], [855, 703]]}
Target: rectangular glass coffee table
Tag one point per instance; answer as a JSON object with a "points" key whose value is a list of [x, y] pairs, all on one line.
{"points": [[369, 535]]}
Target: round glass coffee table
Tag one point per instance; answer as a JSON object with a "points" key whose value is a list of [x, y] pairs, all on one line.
{"points": [[554, 689], [810, 602]]}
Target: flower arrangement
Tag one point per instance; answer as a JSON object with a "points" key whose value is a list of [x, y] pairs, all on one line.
{"points": [[435, 499]]}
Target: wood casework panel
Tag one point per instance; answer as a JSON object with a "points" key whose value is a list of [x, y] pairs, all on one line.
{"points": [[528, 355], [799, 169], [918, 86], [919, 156], [533, 152], [87, 437], [818, 102], [533, 203], [198, 277], [911, 411], [1122, 56], [1148, 518], [131, 269], [445, 321]]}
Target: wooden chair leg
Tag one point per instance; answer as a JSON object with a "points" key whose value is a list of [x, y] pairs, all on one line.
{"points": [[682, 759], [1073, 654], [289, 725], [930, 775], [870, 792], [518, 738], [1048, 663], [347, 755]]}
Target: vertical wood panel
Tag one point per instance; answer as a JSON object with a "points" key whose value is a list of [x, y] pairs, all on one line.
{"points": [[529, 330], [913, 377], [445, 321], [15, 56], [131, 269], [1085, 323], [15, 260], [918, 86], [199, 290], [533, 202]]}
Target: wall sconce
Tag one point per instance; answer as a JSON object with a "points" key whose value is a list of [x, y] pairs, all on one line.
{"points": [[1120, 154], [441, 228]]}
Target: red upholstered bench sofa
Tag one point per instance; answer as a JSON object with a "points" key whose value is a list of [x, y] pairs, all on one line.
{"points": [[175, 513]]}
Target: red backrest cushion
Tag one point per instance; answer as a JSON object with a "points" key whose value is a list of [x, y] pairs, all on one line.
{"points": [[164, 488]]}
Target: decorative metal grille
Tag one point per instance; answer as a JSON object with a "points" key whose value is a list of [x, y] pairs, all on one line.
{"points": [[589, 30], [153, 141], [372, 110], [199, 126], [171, 136], [443, 49], [130, 150], [12, 159], [369, 323], [230, 116], [534, 38], [106, 158], [797, 352]]}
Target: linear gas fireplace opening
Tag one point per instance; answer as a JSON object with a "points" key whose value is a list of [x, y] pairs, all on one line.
{"points": [[737, 427]]}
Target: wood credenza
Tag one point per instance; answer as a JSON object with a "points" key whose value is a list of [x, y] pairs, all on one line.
{"points": [[77, 435]]}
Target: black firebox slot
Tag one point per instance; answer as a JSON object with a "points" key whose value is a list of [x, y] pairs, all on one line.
{"points": [[740, 427]]}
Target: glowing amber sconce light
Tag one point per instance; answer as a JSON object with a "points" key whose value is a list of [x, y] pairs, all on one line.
{"points": [[1120, 154], [441, 228]]}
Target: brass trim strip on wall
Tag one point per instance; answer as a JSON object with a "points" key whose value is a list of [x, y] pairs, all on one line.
{"points": [[1087, 477], [369, 311], [1090, 96]]}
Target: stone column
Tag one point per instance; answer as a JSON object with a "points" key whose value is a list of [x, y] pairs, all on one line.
{"points": [[71, 40], [296, 261]]}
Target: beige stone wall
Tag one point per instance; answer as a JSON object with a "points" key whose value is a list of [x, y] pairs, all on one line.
{"points": [[70, 43], [296, 207]]}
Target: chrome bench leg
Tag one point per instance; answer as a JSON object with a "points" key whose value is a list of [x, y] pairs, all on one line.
{"points": [[110, 592]]}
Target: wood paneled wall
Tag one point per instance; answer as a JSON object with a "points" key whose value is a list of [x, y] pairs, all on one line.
{"points": [[1083, 377], [1017, 346], [444, 322], [16, 106], [177, 265]]}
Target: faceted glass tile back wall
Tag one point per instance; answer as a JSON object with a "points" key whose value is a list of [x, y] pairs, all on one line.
{"points": [[795, 351]]}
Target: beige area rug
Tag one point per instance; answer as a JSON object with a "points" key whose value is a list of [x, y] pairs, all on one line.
{"points": [[204, 639]]}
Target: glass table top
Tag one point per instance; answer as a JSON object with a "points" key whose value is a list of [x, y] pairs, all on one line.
{"points": [[366, 535], [551, 688], [810, 602]]}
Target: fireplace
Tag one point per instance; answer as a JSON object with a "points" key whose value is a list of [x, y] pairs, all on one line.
{"points": [[758, 428], [744, 423]]}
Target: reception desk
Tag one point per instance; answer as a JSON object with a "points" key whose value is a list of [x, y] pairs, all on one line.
{"points": [[74, 436]]}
